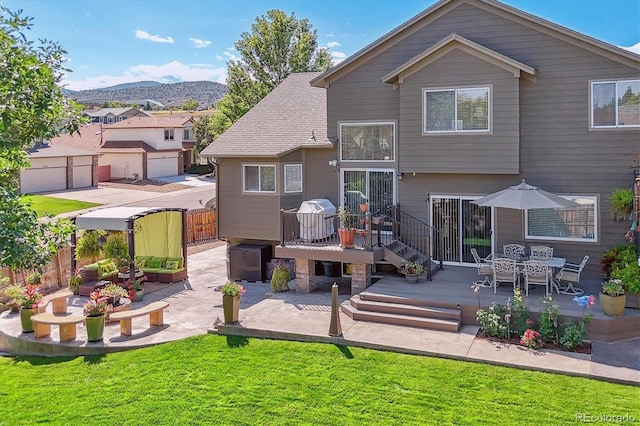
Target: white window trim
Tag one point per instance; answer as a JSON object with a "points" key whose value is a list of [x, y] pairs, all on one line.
{"points": [[275, 182], [172, 134], [284, 178], [489, 129], [369, 123], [596, 233], [616, 126]]}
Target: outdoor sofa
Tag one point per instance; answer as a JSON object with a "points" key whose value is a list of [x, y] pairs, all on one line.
{"points": [[162, 269]]}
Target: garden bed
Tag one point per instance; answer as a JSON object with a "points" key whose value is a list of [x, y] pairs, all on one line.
{"points": [[583, 348]]}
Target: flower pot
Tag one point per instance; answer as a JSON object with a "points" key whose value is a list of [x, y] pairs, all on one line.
{"points": [[95, 328], [347, 237], [411, 278], [25, 319], [612, 306], [139, 295], [231, 307], [113, 300]]}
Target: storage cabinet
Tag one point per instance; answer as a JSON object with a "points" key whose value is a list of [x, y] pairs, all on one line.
{"points": [[248, 262]]}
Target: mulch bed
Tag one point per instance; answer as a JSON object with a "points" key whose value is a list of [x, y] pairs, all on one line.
{"points": [[584, 348], [145, 185]]}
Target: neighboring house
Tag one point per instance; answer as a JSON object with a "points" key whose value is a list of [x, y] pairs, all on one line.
{"points": [[113, 115], [465, 99], [54, 168], [141, 147]]}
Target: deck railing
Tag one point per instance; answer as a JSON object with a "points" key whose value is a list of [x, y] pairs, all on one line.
{"points": [[321, 229]]}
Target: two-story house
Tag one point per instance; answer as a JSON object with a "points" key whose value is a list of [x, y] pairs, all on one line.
{"points": [[113, 115], [465, 99], [140, 147]]}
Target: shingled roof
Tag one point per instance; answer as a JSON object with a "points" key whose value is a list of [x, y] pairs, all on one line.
{"points": [[151, 122], [291, 116]]}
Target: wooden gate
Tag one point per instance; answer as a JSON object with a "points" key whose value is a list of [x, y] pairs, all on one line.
{"points": [[201, 226]]}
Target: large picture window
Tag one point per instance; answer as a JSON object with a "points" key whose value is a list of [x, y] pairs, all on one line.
{"points": [[259, 178], [457, 110], [367, 141], [615, 104], [293, 178], [565, 224]]}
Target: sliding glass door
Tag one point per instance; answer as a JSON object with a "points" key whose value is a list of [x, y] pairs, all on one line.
{"points": [[463, 226]]}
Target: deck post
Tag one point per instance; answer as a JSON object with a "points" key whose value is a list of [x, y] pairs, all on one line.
{"points": [[360, 277], [305, 275]]}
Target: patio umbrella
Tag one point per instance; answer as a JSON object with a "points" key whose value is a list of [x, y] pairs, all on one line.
{"points": [[524, 197]]}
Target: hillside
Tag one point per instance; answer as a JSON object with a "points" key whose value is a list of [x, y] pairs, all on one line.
{"points": [[175, 94]]}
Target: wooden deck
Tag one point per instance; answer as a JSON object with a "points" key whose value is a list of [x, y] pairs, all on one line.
{"points": [[453, 285]]}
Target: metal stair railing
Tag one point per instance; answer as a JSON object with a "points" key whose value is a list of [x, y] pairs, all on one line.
{"points": [[417, 235]]}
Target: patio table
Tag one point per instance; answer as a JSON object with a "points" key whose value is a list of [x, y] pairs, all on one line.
{"points": [[554, 263]]}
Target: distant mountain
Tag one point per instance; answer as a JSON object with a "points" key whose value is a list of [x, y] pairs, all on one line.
{"points": [[175, 94]]}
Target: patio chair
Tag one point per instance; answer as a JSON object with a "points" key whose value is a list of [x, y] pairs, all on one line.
{"points": [[536, 272], [483, 269], [513, 250], [504, 270], [570, 273], [541, 253]]}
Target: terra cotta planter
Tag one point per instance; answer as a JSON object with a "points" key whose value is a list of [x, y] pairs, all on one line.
{"points": [[612, 305]]}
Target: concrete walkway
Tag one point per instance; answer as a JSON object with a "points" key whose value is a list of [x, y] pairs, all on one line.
{"points": [[195, 307]]}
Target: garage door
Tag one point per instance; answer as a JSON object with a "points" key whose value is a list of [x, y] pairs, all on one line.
{"points": [[157, 167], [46, 179], [81, 176]]}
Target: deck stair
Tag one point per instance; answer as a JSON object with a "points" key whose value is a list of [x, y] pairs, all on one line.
{"points": [[404, 311], [398, 253]]}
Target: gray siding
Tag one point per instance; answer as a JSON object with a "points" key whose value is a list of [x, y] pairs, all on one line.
{"points": [[496, 152]]}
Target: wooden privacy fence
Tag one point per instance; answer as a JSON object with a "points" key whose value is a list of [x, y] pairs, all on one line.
{"points": [[201, 226]]}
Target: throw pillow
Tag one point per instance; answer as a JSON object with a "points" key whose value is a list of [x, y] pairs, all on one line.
{"points": [[155, 263], [172, 264], [141, 263]]}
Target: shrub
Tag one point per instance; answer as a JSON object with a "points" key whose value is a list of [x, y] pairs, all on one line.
{"points": [[280, 278], [549, 316], [573, 333], [34, 278], [492, 321], [531, 339], [519, 313]]}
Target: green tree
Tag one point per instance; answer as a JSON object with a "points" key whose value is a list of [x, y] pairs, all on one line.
{"points": [[32, 104], [277, 46], [32, 107], [190, 105], [112, 104]]}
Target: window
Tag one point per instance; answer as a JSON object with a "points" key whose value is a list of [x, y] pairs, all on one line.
{"points": [[456, 110], [188, 134], [615, 104], [566, 224], [293, 178], [367, 141], [168, 134], [259, 178]]}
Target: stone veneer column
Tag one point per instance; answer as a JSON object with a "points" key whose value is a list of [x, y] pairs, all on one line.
{"points": [[305, 275], [360, 277], [69, 172]]}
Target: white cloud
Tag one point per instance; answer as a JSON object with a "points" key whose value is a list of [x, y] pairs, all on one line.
{"points": [[171, 72], [337, 57], [635, 48], [220, 58], [333, 44], [200, 44], [231, 56], [143, 35], [330, 35]]}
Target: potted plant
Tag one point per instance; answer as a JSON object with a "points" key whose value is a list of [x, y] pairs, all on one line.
{"points": [[135, 290], [612, 298], [88, 246], [116, 248], [231, 293], [95, 310], [411, 271], [622, 204], [28, 302], [621, 262], [75, 281], [113, 292], [347, 230], [281, 277], [13, 294]]}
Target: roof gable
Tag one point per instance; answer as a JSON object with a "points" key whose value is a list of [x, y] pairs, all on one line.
{"points": [[439, 9], [291, 116], [151, 122], [451, 42]]}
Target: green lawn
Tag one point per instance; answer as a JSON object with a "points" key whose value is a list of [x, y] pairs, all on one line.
{"points": [[45, 205], [218, 380]]}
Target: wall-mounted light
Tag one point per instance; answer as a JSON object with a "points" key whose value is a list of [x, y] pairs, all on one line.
{"points": [[400, 176], [333, 163]]}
